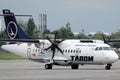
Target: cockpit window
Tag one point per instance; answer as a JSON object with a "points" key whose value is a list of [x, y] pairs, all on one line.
{"points": [[107, 48], [103, 48], [100, 48]]}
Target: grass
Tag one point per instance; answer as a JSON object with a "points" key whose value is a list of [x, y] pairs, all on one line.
{"points": [[9, 56]]}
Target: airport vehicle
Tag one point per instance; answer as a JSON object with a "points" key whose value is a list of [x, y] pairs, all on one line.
{"points": [[69, 52]]}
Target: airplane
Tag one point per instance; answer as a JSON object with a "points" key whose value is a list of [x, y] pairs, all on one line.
{"points": [[68, 52]]}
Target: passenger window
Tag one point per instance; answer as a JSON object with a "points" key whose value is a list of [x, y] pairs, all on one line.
{"points": [[96, 48], [63, 51], [74, 51], [68, 51], [36, 50], [79, 51]]}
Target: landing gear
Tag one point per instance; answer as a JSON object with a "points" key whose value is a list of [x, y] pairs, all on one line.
{"points": [[75, 66], [48, 66], [108, 67]]}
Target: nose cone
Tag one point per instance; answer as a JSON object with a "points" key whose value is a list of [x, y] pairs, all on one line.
{"points": [[4, 47], [9, 47], [114, 57]]}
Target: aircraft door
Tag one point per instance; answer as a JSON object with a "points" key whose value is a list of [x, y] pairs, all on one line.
{"points": [[29, 53]]}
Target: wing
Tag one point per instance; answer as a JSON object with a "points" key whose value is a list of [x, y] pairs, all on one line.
{"points": [[113, 40], [20, 40]]}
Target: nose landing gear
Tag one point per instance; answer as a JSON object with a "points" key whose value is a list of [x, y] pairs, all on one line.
{"points": [[108, 67], [48, 66]]}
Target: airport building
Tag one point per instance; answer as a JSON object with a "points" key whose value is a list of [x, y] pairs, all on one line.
{"points": [[0, 25], [42, 23]]}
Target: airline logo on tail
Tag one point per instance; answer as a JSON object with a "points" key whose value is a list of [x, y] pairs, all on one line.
{"points": [[12, 30]]}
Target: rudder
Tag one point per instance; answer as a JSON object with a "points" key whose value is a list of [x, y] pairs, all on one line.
{"points": [[13, 30]]}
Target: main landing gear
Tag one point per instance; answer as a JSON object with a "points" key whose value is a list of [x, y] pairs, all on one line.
{"points": [[75, 66], [48, 66], [108, 67]]}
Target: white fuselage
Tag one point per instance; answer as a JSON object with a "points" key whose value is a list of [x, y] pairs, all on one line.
{"points": [[74, 52]]}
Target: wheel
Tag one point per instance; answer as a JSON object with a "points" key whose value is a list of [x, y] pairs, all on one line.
{"points": [[108, 67], [48, 66], [75, 66]]}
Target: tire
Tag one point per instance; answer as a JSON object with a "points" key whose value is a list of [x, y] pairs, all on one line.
{"points": [[108, 67], [75, 66], [48, 66]]}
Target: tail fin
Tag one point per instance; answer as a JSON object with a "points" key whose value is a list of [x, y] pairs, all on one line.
{"points": [[13, 30]]}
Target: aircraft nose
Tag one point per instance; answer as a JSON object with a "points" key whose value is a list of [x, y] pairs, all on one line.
{"points": [[3, 47], [114, 57]]}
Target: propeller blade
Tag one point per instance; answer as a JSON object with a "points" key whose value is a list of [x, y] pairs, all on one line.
{"points": [[103, 38], [48, 47], [60, 41], [54, 45], [59, 49], [50, 40], [55, 35], [109, 38], [53, 53]]}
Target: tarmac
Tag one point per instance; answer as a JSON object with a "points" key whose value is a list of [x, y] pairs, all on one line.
{"points": [[29, 70]]}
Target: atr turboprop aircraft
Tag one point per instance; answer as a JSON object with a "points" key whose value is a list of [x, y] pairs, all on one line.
{"points": [[67, 52]]}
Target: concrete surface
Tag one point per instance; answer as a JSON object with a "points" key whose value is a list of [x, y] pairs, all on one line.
{"points": [[28, 70]]}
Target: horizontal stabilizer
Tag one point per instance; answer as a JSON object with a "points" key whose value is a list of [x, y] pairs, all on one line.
{"points": [[20, 40], [15, 15]]}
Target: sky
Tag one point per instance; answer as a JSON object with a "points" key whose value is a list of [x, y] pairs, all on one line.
{"points": [[90, 15]]}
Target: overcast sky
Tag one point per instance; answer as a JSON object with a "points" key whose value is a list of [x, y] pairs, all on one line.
{"points": [[90, 15]]}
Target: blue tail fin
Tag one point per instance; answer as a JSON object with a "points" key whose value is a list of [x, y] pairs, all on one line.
{"points": [[13, 30]]}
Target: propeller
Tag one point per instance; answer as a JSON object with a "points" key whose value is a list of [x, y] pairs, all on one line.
{"points": [[108, 39], [54, 45], [104, 38]]}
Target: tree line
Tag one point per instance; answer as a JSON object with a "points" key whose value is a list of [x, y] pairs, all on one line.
{"points": [[64, 32]]}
